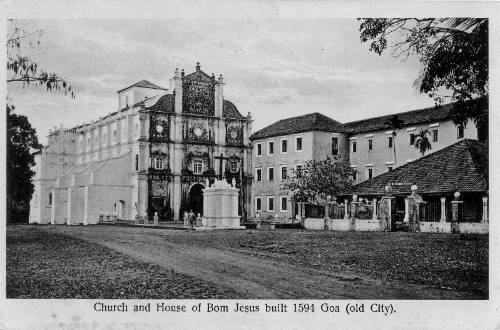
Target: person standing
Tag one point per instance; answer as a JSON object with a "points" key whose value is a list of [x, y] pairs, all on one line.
{"points": [[192, 219]]}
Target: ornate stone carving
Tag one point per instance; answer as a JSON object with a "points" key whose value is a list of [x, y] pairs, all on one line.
{"points": [[159, 187], [159, 128], [198, 94], [234, 134]]}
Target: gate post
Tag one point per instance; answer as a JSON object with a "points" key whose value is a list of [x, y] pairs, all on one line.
{"points": [[415, 209], [387, 209], [455, 212]]}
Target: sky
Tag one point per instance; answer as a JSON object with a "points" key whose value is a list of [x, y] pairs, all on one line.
{"points": [[273, 68]]}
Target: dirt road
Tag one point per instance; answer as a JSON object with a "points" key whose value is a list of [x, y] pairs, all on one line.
{"points": [[250, 276]]}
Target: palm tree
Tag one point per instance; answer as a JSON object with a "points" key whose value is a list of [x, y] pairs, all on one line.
{"points": [[422, 141], [394, 123]]}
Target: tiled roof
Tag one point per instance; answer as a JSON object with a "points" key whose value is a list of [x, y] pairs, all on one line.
{"points": [[311, 122], [145, 84], [462, 167], [166, 104], [230, 111], [408, 118]]}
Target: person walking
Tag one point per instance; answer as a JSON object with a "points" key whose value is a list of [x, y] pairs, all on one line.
{"points": [[192, 219]]}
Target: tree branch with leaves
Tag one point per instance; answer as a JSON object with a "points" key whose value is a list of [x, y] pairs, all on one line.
{"points": [[319, 179], [453, 53]]}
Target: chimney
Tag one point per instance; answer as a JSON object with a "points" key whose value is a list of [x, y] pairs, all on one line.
{"points": [[197, 66]]}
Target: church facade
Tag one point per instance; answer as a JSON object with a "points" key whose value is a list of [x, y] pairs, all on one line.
{"points": [[154, 155]]}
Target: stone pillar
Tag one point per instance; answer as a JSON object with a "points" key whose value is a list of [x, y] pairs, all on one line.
{"points": [[346, 205], [327, 207], [177, 197], [455, 213], [406, 218], [177, 85], [142, 198], [443, 209], [354, 212], [155, 219], [68, 215], [387, 209], [374, 215], [86, 205], [485, 210], [219, 97], [53, 208], [415, 204]]}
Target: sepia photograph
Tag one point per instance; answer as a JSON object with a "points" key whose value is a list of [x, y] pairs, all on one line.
{"points": [[246, 159]]}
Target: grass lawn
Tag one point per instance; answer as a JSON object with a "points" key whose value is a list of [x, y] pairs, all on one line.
{"points": [[447, 261], [48, 265]]}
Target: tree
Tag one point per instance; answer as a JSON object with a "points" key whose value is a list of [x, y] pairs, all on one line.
{"points": [[453, 53], [422, 142], [319, 179], [22, 145], [394, 123], [25, 69], [22, 142]]}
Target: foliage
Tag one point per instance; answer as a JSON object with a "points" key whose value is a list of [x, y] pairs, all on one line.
{"points": [[22, 144], [454, 58], [422, 142], [22, 68], [328, 177]]}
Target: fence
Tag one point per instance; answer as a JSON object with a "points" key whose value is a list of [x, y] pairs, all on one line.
{"points": [[337, 211], [365, 212]]}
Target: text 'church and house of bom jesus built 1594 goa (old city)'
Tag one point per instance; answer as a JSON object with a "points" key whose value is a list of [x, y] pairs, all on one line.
{"points": [[152, 156]]}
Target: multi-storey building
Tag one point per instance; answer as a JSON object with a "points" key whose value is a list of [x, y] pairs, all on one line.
{"points": [[284, 146], [371, 146], [154, 155]]}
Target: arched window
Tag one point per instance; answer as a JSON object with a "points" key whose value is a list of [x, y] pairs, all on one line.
{"points": [[50, 198]]}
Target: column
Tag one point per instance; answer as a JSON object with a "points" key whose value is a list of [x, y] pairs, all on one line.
{"points": [[455, 213], [142, 197], [346, 205], [406, 218], [374, 215], [485, 210], [68, 215], [443, 209], [85, 205], [53, 208], [177, 196]]}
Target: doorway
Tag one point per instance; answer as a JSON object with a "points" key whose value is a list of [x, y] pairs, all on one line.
{"points": [[195, 198]]}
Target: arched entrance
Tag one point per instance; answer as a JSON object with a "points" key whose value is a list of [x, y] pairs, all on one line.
{"points": [[195, 198]]}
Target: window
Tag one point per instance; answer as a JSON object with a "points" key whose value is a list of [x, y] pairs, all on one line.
{"points": [[434, 135], [389, 168], [50, 198], [233, 166], [412, 139], [370, 144], [284, 146], [298, 171], [270, 174], [259, 149], [158, 163], [389, 145], [460, 132], [335, 146], [270, 148], [354, 147], [283, 204], [126, 100], [258, 204], [137, 162], [258, 175], [283, 172], [270, 203], [355, 175], [370, 173], [298, 144], [197, 167]]}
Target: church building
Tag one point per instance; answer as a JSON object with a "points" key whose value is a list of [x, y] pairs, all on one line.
{"points": [[154, 155]]}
